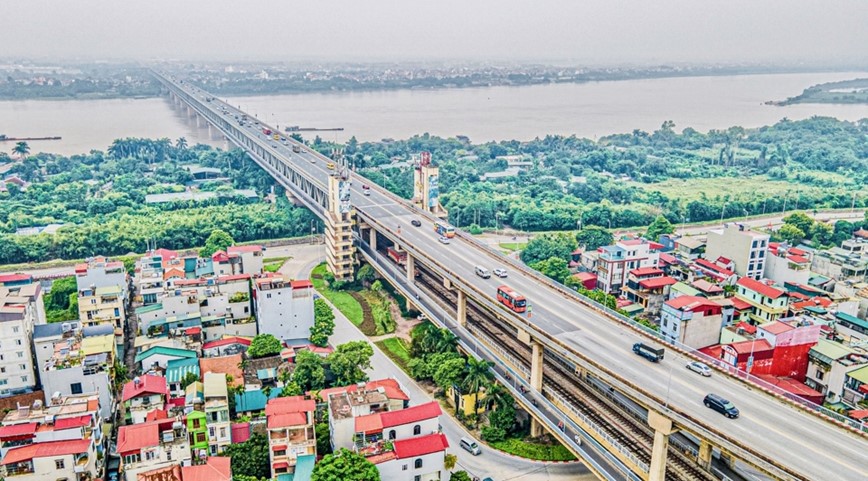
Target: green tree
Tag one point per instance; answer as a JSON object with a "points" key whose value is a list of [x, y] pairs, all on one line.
{"points": [[21, 149], [181, 143], [449, 373], [189, 378], [323, 323], [799, 220], [349, 362], [264, 345], [543, 247], [309, 373], [219, 240], [366, 274], [250, 458], [323, 439], [593, 237], [553, 267], [477, 376], [661, 225], [790, 233], [345, 465], [821, 234], [460, 476]]}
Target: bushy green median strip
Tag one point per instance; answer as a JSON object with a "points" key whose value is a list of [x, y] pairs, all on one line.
{"points": [[525, 448], [343, 301]]}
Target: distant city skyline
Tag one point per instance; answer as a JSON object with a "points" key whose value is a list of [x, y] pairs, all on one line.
{"points": [[628, 32]]}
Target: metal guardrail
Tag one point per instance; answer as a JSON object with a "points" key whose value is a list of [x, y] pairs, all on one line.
{"points": [[398, 279]]}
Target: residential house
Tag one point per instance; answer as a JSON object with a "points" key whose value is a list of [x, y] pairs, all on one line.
{"points": [[101, 272], [197, 431], [855, 386], [754, 356], [347, 403], [226, 264], [15, 280], [229, 365], [786, 264], [284, 308], [745, 247], [391, 425], [225, 347], [72, 360], [414, 459], [215, 468], [616, 261], [708, 289], [70, 459], [767, 303], [791, 339], [689, 248], [291, 434], [177, 371], [251, 258], [692, 321], [720, 271], [828, 363], [146, 448], [20, 311], [142, 395], [159, 357], [851, 327], [648, 287], [848, 262], [217, 412], [102, 305]]}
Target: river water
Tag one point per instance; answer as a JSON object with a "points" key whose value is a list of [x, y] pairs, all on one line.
{"points": [[494, 113]]}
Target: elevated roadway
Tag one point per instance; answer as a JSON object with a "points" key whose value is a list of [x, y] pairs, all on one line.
{"points": [[772, 434]]}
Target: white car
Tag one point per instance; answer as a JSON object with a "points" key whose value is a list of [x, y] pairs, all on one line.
{"points": [[443, 239], [699, 368], [499, 272]]}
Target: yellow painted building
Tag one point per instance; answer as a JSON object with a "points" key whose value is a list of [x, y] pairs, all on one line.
{"points": [[102, 305], [465, 402]]}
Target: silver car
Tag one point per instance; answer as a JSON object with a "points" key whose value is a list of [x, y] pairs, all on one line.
{"points": [[499, 272], [699, 368], [443, 239]]}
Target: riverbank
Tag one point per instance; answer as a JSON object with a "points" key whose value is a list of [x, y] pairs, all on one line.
{"points": [[853, 91]]}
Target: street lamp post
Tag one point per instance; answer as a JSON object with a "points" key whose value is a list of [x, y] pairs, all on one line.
{"points": [[722, 212]]}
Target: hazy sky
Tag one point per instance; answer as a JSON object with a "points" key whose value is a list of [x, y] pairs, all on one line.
{"points": [[599, 32]]}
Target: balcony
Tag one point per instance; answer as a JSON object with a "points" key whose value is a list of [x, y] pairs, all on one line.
{"points": [[18, 469]]}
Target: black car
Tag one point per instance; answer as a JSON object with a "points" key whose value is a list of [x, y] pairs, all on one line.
{"points": [[721, 405], [416, 223]]}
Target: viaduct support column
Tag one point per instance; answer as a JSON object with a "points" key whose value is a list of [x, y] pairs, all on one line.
{"points": [[662, 429], [411, 268], [705, 454], [462, 308], [536, 366], [372, 239]]}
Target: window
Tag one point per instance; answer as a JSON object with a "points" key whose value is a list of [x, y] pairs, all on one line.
{"points": [[392, 434], [417, 478], [200, 437], [20, 354], [23, 378], [819, 374], [75, 388], [418, 463], [23, 367], [132, 458], [211, 432], [196, 423], [15, 329], [58, 464], [2, 369], [3, 382], [149, 455], [417, 430], [268, 296], [18, 342], [222, 432]]}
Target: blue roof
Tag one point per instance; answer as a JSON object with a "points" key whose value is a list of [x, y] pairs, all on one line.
{"points": [[48, 330], [268, 373], [253, 400], [303, 469], [177, 369], [169, 351], [852, 320], [98, 330]]}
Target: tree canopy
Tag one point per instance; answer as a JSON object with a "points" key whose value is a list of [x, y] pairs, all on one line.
{"points": [[250, 458], [323, 323], [345, 465], [349, 361], [219, 240], [264, 345], [593, 237], [546, 246]]}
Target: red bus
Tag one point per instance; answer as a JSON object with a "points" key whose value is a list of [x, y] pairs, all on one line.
{"points": [[511, 299]]}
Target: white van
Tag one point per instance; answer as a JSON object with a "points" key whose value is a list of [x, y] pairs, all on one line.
{"points": [[483, 272], [470, 445]]}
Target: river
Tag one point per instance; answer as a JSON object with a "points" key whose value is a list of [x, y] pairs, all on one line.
{"points": [[493, 113]]}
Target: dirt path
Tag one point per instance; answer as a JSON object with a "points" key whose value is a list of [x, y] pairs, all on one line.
{"points": [[368, 326]]}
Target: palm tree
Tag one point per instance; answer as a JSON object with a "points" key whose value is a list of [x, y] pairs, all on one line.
{"points": [[497, 395], [478, 376], [181, 143], [445, 341], [22, 149]]}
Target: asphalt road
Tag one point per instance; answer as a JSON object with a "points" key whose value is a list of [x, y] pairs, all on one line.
{"points": [[803, 442]]}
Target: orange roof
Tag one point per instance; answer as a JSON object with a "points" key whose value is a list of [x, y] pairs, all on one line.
{"points": [[42, 450], [420, 446], [171, 473], [286, 420], [776, 327], [409, 415], [689, 303], [216, 468], [148, 384], [823, 302], [656, 282], [646, 271], [234, 249], [759, 287], [390, 386], [291, 404], [133, 438], [371, 423], [224, 364]]}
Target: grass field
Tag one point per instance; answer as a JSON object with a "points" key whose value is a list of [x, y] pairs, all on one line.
{"points": [[341, 300], [397, 350], [735, 187], [529, 450], [513, 246]]}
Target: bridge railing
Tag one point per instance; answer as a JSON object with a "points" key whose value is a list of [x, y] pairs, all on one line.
{"points": [[733, 370], [398, 278]]}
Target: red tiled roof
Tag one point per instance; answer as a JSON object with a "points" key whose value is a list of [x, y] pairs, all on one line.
{"points": [[745, 347], [192, 331], [411, 415], [858, 414], [390, 386], [791, 385], [292, 404], [300, 284], [132, 438], [861, 233], [748, 328], [234, 249], [420, 446], [157, 414], [224, 364], [798, 259], [706, 286], [688, 303], [823, 302], [216, 468], [286, 420], [240, 432], [42, 450], [585, 276], [632, 242], [656, 282], [233, 277], [646, 271], [714, 267], [668, 258], [371, 423], [190, 282], [4, 278], [166, 254], [225, 342], [776, 327], [797, 295], [759, 287], [70, 423], [148, 384], [220, 256], [740, 304], [16, 430]]}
